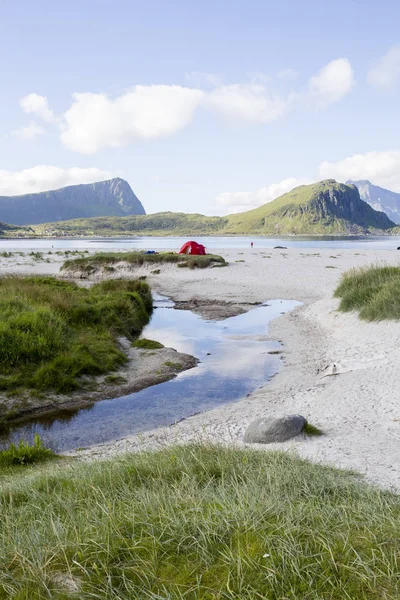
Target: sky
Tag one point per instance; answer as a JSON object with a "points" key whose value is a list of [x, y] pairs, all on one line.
{"points": [[212, 107]]}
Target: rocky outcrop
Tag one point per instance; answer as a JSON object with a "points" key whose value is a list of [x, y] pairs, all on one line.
{"points": [[379, 198], [345, 203], [104, 198]]}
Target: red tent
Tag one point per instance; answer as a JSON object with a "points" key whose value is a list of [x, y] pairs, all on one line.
{"points": [[192, 248]]}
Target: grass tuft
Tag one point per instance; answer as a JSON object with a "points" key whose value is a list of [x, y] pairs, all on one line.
{"points": [[24, 454], [149, 344], [372, 291], [311, 430]]}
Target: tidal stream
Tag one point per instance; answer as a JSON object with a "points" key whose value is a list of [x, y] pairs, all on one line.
{"points": [[234, 361]]}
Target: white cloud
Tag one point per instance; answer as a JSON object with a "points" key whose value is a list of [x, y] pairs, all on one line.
{"points": [[37, 105], [333, 82], [45, 177], [94, 121], [385, 73], [381, 168], [29, 132], [250, 102], [236, 202]]}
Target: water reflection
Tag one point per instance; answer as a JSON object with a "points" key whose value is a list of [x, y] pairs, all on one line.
{"points": [[234, 361]]}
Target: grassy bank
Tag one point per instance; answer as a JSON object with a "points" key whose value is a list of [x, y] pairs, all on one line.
{"points": [[107, 260], [196, 522], [372, 291], [53, 332]]}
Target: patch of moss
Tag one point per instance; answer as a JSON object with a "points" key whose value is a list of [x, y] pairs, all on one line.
{"points": [[311, 430], [148, 344]]}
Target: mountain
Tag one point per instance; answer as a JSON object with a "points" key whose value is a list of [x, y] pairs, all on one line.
{"points": [[104, 198], [379, 198], [324, 208]]}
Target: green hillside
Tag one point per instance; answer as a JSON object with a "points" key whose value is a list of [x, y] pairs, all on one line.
{"points": [[166, 223], [12, 230], [326, 207], [323, 208]]}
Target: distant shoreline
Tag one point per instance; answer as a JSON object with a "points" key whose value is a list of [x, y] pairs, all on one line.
{"points": [[202, 235]]}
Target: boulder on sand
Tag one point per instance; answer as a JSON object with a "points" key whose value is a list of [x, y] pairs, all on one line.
{"points": [[268, 430]]}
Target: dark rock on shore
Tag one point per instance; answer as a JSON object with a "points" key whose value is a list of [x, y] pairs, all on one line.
{"points": [[269, 430]]}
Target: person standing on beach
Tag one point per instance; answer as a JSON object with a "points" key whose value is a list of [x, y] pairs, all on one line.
{"points": [[251, 244]]}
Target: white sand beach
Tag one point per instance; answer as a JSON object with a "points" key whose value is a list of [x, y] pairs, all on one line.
{"points": [[358, 409]]}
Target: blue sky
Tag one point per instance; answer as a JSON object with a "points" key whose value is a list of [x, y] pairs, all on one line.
{"points": [[205, 107]]}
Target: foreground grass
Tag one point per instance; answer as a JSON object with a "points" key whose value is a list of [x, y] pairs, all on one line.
{"points": [[54, 332], [106, 260], [25, 454], [197, 522], [373, 291]]}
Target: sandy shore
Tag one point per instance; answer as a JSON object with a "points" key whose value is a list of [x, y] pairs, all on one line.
{"points": [[358, 409]]}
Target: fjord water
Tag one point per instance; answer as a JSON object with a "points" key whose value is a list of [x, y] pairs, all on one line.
{"points": [[234, 362], [211, 242]]}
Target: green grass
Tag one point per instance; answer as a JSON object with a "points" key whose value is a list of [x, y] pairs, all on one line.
{"points": [[149, 344], [172, 364], [115, 380], [54, 332], [312, 430], [372, 291], [194, 523], [105, 260], [165, 223], [25, 454]]}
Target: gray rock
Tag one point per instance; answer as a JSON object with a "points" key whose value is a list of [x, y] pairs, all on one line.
{"points": [[274, 429]]}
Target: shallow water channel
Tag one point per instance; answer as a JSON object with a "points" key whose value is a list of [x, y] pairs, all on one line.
{"points": [[235, 360]]}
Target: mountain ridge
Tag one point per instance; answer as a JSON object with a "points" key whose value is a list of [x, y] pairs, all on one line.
{"points": [[379, 198], [112, 197], [323, 208]]}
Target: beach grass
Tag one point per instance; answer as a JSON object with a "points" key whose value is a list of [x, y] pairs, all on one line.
{"points": [[373, 291], [312, 430], [147, 344], [196, 522], [25, 453], [54, 332], [91, 264]]}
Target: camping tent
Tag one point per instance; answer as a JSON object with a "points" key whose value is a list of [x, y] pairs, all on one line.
{"points": [[192, 248]]}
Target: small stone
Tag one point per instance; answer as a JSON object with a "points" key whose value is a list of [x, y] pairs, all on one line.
{"points": [[269, 430]]}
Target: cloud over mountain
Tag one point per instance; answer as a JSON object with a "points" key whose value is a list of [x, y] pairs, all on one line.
{"points": [[46, 177], [95, 121], [382, 168], [236, 202]]}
